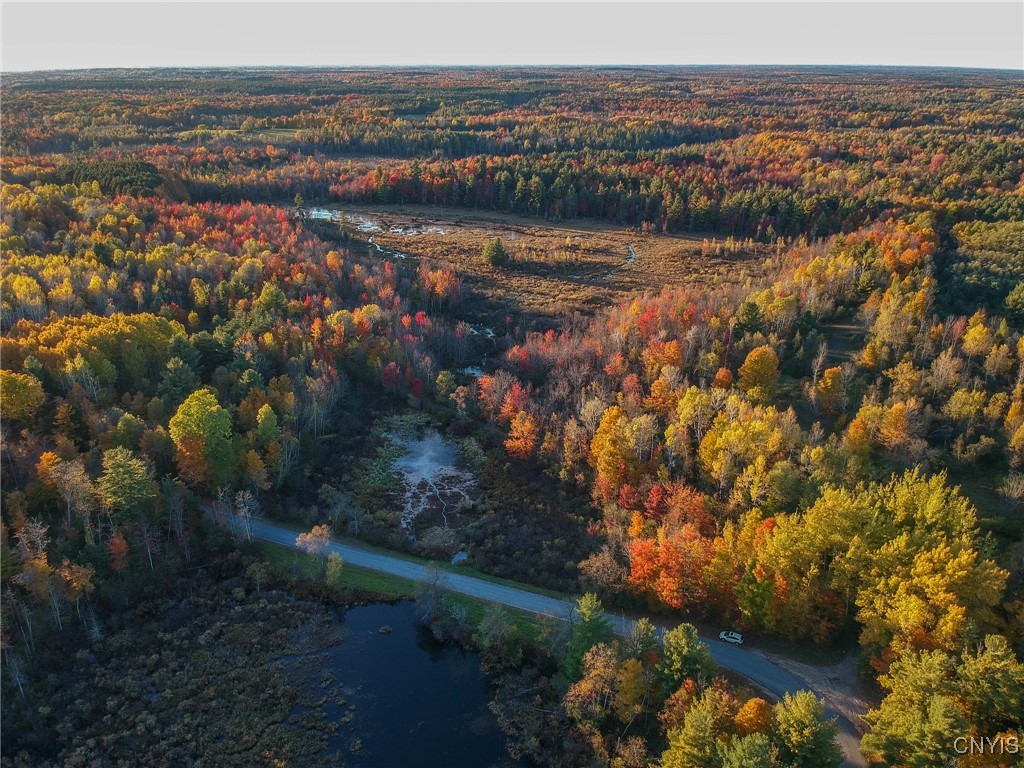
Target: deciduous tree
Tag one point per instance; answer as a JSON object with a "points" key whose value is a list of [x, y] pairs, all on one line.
{"points": [[201, 429], [126, 485], [759, 374]]}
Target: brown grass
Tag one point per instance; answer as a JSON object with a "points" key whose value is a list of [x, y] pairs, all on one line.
{"points": [[558, 268]]}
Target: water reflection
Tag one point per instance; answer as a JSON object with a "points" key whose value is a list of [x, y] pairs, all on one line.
{"points": [[418, 702]]}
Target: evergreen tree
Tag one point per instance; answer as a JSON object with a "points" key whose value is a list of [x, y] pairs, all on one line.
{"points": [[683, 656], [592, 627], [494, 253]]}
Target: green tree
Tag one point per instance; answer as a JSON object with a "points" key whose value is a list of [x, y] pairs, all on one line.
{"points": [[493, 253], [271, 298], [127, 432], [695, 745], [1015, 303], [753, 751], [21, 394], [178, 381], [749, 319], [201, 430], [592, 627], [683, 655], [267, 428], [642, 639], [806, 739], [992, 686], [126, 485], [916, 723]]}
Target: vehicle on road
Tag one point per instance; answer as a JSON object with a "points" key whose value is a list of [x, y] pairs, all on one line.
{"points": [[761, 671]]}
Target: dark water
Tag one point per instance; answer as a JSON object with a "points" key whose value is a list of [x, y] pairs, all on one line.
{"points": [[419, 703]]}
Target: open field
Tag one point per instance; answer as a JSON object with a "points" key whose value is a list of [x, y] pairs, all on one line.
{"points": [[556, 268]]}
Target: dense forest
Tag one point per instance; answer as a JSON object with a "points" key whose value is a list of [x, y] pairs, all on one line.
{"points": [[823, 449]]}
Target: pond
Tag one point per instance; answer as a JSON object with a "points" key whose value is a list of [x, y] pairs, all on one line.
{"points": [[418, 702]]}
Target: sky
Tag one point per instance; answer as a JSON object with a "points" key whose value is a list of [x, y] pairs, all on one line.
{"points": [[79, 35]]}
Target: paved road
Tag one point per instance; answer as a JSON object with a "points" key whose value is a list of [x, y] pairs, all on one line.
{"points": [[750, 664]]}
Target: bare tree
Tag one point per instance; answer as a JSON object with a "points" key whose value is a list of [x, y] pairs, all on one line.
{"points": [[75, 487], [429, 593], [32, 540], [495, 628], [247, 508], [222, 506], [333, 503], [258, 572], [36, 575], [289, 457], [23, 618], [150, 539], [819, 361], [57, 600], [174, 503], [92, 626], [322, 393], [16, 672]]}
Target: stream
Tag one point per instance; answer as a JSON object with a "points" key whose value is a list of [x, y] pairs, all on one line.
{"points": [[370, 226]]}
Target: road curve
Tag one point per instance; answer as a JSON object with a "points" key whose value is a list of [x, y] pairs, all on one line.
{"points": [[773, 679]]}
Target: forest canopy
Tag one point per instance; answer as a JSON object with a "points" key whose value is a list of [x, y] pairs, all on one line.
{"points": [[817, 438]]}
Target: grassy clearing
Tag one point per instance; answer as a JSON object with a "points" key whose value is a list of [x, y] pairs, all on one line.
{"points": [[529, 625], [286, 561], [845, 338], [276, 134], [557, 268], [982, 490]]}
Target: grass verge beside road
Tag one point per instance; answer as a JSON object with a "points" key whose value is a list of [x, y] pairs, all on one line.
{"points": [[441, 565], [286, 561]]}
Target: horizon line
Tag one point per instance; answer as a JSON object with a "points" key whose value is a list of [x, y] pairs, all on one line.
{"points": [[500, 66]]}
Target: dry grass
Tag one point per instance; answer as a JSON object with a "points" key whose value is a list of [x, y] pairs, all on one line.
{"points": [[557, 268]]}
